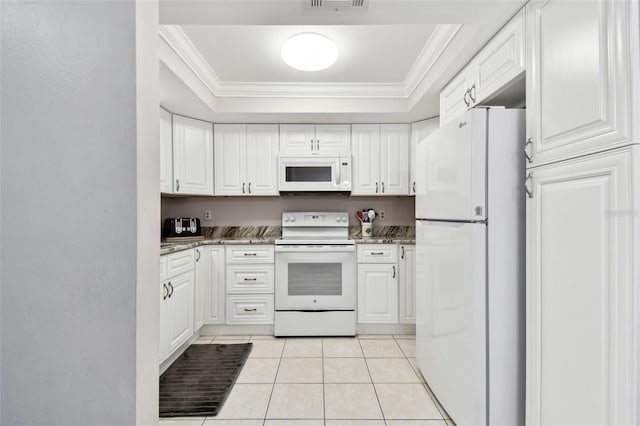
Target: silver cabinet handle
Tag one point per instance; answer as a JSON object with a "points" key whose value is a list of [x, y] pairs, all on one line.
{"points": [[166, 291], [250, 254], [382, 188], [171, 288], [413, 186], [526, 186], [251, 279], [250, 310], [394, 271], [249, 187], [464, 98], [377, 253], [317, 144], [197, 255], [529, 156], [177, 185], [243, 187], [402, 255], [376, 187], [472, 93], [311, 144]]}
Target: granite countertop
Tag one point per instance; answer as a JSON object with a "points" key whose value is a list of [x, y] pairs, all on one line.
{"points": [[385, 235], [269, 234]]}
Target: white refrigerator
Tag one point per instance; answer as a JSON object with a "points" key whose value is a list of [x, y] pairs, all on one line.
{"points": [[470, 266]]}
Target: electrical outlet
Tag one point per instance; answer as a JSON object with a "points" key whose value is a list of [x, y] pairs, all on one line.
{"points": [[207, 215], [381, 214]]}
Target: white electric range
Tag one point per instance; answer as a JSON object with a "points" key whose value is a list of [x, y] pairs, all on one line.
{"points": [[315, 270]]}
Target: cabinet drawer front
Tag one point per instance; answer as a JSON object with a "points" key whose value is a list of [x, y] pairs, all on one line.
{"points": [[250, 309], [250, 254], [377, 253], [180, 262], [163, 268], [250, 279]]}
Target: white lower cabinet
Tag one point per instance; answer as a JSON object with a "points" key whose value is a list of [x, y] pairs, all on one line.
{"points": [[407, 284], [210, 288], [377, 284], [176, 307], [582, 306], [250, 309], [250, 284]]}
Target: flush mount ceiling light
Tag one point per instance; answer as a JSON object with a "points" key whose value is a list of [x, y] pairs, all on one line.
{"points": [[309, 52]]}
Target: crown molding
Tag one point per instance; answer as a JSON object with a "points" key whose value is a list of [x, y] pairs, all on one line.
{"points": [[433, 49], [180, 43], [190, 55]]}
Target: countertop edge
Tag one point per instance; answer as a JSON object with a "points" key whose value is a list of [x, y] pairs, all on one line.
{"points": [[176, 247]]}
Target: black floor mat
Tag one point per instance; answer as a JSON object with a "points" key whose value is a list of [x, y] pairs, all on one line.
{"points": [[200, 380]]}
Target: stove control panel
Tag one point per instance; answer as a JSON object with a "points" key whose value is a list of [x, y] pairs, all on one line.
{"points": [[315, 219]]}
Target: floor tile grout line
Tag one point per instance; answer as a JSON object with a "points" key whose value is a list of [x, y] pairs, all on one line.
{"points": [[430, 394], [375, 391], [324, 405], [274, 385]]}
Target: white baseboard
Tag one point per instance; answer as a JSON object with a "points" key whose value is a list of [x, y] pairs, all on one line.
{"points": [[385, 328]]}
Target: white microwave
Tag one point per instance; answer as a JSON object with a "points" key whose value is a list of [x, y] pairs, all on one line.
{"points": [[326, 173]]}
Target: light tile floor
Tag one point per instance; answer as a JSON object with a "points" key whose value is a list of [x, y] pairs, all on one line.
{"points": [[369, 380]]}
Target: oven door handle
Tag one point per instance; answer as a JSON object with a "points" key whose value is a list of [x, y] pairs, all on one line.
{"points": [[314, 249]]}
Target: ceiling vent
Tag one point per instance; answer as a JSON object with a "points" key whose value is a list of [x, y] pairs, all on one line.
{"points": [[338, 4]]}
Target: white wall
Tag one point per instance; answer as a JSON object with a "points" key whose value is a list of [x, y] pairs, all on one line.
{"points": [[69, 212], [237, 211]]}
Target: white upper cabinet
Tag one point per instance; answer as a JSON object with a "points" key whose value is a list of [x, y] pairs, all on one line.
{"points": [[583, 74], [495, 67], [582, 320], [230, 146], [166, 154], [419, 132], [380, 159], [192, 156], [262, 159], [454, 98], [500, 61], [366, 164], [246, 159], [312, 139], [394, 159]]}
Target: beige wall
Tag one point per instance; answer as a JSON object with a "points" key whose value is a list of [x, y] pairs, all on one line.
{"points": [[237, 211]]}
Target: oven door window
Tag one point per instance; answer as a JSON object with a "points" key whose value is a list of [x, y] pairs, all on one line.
{"points": [[308, 173], [315, 279]]}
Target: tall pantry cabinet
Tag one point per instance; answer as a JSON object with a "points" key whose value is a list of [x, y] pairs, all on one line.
{"points": [[583, 225]]}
